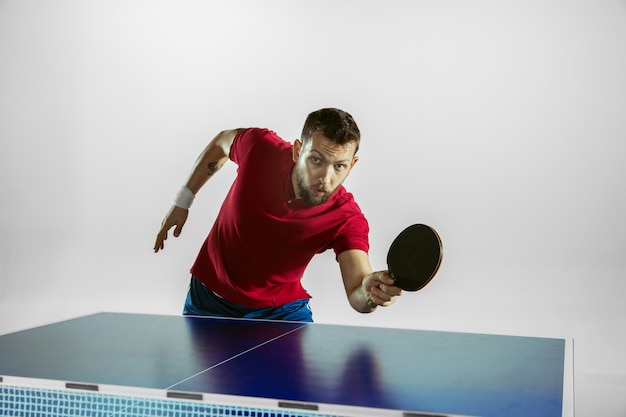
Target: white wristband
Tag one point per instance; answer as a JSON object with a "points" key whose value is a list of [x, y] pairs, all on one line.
{"points": [[184, 198]]}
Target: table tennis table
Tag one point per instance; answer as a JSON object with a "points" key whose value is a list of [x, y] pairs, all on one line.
{"points": [[119, 364]]}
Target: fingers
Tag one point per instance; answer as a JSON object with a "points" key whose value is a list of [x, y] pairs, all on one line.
{"points": [[160, 241], [385, 296], [176, 217], [383, 291], [382, 279], [159, 244], [390, 290]]}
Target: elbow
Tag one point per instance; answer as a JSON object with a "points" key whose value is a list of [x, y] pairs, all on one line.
{"points": [[224, 140]]}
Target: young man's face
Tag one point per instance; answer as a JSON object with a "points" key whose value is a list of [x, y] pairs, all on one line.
{"points": [[321, 167]]}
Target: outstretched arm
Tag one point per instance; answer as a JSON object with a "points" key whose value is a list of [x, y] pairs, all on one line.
{"points": [[212, 158], [365, 289]]}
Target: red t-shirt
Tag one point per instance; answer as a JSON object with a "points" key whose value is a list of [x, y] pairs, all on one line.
{"points": [[263, 238]]}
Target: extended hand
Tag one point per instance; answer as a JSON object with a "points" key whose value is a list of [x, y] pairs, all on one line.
{"points": [[177, 216], [379, 286]]}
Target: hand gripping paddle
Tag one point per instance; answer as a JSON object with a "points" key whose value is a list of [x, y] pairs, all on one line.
{"points": [[414, 257]]}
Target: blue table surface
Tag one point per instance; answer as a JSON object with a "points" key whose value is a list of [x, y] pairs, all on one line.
{"points": [[439, 372]]}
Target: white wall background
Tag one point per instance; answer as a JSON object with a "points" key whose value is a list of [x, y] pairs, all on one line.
{"points": [[501, 123]]}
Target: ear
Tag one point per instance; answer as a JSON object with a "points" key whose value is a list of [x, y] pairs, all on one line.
{"points": [[297, 146], [355, 159]]}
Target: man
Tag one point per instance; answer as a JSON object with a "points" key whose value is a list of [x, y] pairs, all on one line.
{"points": [[286, 205]]}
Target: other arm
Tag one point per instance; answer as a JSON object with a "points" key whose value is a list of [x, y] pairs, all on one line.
{"points": [[362, 283], [212, 158]]}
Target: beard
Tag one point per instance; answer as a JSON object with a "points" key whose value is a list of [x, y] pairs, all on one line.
{"points": [[309, 198]]}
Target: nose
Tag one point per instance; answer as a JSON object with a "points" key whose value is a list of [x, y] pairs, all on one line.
{"points": [[326, 176]]}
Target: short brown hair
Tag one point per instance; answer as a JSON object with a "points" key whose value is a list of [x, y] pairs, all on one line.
{"points": [[335, 124]]}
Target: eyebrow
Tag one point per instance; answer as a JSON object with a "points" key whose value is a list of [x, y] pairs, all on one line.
{"points": [[323, 158]]}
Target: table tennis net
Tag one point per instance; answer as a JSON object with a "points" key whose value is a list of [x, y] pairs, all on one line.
{"points": [[36, 402]]}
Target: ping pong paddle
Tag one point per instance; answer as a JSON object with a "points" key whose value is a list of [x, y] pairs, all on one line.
{"points": [[414, 257]]}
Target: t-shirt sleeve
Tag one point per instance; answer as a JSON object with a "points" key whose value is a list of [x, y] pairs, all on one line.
{"points": [[241, 145], [353, 235], [252, 138]]}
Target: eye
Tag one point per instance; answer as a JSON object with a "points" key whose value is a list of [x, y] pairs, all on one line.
{"points": [[315, 160], [340, 167]]}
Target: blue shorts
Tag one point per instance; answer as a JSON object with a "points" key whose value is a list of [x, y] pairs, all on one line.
{"points": [[201, 301]]}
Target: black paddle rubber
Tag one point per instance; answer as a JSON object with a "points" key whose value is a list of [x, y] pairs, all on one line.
{"points": [[414, 257]]}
